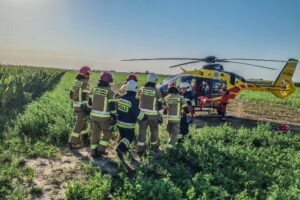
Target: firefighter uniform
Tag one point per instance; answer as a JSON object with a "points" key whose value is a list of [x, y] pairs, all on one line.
{"points": [[221, 109], [189, 99], [128, 113], [150, 103], [79, 94], [102, 116], [173, 104]]}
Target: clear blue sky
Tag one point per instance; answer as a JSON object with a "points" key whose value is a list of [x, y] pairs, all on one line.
{"points": [[71, 33]]}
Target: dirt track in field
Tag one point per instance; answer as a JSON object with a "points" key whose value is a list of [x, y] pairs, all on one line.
{"points": [[250, 114]]}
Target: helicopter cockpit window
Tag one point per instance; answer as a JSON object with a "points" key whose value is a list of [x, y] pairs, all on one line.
{"points": [[216, 87]]}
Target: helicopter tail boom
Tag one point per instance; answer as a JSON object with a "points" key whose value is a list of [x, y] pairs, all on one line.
{"points": [[284, 80]]}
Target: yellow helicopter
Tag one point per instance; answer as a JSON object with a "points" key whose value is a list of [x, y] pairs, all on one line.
{"points": [[211, 78]]}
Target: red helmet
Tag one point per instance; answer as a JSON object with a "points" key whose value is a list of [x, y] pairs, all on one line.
{"points": [[132, 76], [172, 85], [106, 77], [85, 71], [283, 128]]}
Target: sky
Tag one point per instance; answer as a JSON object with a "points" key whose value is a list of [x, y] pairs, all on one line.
{"points": [[99, 33]]}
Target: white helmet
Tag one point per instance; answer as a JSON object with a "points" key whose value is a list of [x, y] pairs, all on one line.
{"points": [[152, 78], [131, 86], [186, 85]]}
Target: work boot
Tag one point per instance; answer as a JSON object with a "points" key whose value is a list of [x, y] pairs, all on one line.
{"points": [[120, 154], [74, 146]]}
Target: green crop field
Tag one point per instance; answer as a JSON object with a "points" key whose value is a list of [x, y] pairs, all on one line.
{"points": [[213, 163]]}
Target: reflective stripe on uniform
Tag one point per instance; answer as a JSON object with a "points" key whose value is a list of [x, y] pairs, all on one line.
{"points": [[154, 143], [112, 100], [124, 102], [94, 146], [148, 112], [77, 104], [73, 134], [147, 92], [86, 91], [141, 144], [170, 146], [141, 116], [104, 143], [125, 125], [113, 111], [126, 142], [97, 113]]}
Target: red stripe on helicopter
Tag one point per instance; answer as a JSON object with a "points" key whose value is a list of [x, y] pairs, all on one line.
{"points": [[234, 90]]}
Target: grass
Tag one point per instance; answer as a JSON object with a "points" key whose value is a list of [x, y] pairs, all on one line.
{"points": [[215, 162]]}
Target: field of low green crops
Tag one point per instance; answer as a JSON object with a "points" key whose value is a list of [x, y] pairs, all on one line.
{"points": [[269, 98], [20, 85], [214, 163]]}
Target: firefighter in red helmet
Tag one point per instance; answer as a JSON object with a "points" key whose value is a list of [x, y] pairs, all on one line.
{"points": [[79, 94], [103, 114]]}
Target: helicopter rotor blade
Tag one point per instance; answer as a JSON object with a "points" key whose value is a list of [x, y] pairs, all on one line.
{"points": [[225, 61], [146, 59], [252, 59], [178, 65]]}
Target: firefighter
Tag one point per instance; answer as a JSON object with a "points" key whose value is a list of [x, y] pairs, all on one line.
{"points": [[122, 90], [173, 104], [221, 109], [128, 114], [103, 114], [79, 95], [150, 103], [186, 91]]}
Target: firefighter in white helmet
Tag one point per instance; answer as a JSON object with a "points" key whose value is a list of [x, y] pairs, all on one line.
{"points": [[150, 103], [128, 113]]}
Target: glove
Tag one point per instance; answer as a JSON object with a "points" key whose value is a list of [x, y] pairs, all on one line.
{"points": [[145, 118], [188, 119], [160, 118]]}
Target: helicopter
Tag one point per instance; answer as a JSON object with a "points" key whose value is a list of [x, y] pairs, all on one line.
{"points": [[212, 77]]}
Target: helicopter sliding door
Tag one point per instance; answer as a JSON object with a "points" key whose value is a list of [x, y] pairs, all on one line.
{"points": [[215, 88]]}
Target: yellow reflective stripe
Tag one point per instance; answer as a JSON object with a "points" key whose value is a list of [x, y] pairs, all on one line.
{"points": [[104, 143], [174, 119], [94, 146], [84, 132], [86, 91], [73, 134], [112, 100], [80, 94], [147, 92], [125, 125], [99, 115], [101, 92], [141, 116], [170, 146], [113, 111], [178, 109], [126, 142], [105, 104], [124, 103], [76, 105], [150, 113], [141, 143], [154, 104]]}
